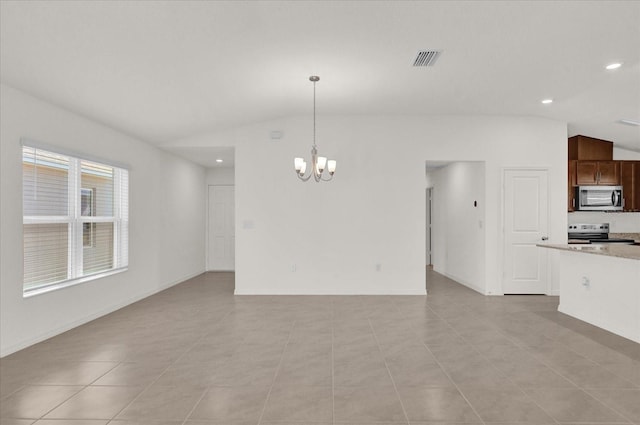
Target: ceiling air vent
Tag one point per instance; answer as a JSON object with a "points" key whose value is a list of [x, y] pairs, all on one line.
{"points": [[427, 57]]}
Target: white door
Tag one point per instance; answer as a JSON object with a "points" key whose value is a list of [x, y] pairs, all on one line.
{"points": [[221, 239], [526, 217]]}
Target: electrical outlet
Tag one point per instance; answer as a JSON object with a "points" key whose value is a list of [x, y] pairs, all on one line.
{"points": [[294, 267]]}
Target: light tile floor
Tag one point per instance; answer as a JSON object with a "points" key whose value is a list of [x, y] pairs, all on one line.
{"points": [[196, 354]]}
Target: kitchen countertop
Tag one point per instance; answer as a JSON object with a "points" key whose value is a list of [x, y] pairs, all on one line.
{"points": [[634, 236], [631, 252]]}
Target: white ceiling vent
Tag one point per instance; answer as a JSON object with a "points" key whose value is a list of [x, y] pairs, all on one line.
{"points": [[427, 57]]}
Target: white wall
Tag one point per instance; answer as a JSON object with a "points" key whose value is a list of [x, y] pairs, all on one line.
{"points": [[625, 155], [310, 238], [620, 222], [220, 176], [458, 231], [167, 210]]}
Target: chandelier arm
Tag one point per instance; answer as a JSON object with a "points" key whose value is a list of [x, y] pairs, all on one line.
{"points": [[326, 180], [303, 178]]}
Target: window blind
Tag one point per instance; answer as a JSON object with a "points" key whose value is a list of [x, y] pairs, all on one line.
{"points": [[75, 221]]}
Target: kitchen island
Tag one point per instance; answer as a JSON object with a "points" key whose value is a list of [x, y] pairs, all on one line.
{"points": [[600, 284]]}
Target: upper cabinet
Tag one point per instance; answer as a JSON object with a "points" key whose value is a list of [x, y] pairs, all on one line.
{"points": [[591, 164], [588, 148], [589, 173], [630, 180]]}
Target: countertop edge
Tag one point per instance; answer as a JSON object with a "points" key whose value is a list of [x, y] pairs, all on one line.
{"points": [[629, 252]]}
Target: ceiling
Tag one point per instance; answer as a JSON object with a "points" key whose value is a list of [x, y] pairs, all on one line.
{"points": [[207, 156], [164, 71]]}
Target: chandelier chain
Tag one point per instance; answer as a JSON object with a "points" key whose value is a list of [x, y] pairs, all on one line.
{"points": [[314, 114]]}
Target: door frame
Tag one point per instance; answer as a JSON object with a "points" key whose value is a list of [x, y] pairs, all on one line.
{"points": [[429, 226], [503, 235], [207, 247]]}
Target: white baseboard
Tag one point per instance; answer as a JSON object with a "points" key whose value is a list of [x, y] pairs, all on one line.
{"points": [[628, 335], [107, 310], [261, 291], [465, 283]]}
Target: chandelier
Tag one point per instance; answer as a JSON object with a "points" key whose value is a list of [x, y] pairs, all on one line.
{"points": [[318, 163]]}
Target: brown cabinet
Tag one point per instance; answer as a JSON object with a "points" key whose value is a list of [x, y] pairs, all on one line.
{"points": [[592, 173], [591, 164], [572, 184], [589, 148], [630, 180]]}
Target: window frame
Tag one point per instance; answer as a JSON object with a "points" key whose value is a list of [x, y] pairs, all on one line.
{"points": [[76, 221], [88, 226]]}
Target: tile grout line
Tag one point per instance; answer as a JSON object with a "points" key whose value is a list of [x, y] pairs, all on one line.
{"points": [[478, 352], [445, 371], [524, 347], [395, 387], [584, 390], [61, 403], [518, 344], [145, 388], [275, 376], [84, 386], [204, 393], [333, 380]]}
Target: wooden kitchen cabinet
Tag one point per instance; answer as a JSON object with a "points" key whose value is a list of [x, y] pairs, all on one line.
{"points": [[589, 148], [609, 172], [591, 164], [630, 180], [593, 173], [636, 186], [572, 186]]}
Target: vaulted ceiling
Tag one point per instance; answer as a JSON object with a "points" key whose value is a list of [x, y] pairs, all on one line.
{"points": [[167, 70]]}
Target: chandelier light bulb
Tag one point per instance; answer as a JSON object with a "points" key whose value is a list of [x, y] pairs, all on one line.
{"points": [[322, 163], [331, 166], [303, 168], [297, 162]]}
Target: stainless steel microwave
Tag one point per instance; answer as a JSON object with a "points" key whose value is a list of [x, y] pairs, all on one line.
{"points": [[599, 198]]}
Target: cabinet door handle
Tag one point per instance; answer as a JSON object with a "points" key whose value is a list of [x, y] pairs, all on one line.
{"points": [[573, 202]]}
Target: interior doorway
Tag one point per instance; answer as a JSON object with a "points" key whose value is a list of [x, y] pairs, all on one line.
{"points": [[455, 216], [428, 224], [221, 228]]}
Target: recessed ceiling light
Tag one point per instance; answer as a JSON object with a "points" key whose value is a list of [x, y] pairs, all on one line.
{"points": [[218, 160], [629, 122], [547, 101], [613, 65]]}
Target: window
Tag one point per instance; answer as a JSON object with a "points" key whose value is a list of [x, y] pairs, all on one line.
{"points": [[76, 219], [88, 209]]}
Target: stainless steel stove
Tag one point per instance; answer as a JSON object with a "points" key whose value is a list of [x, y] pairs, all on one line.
{"points": [[593, 233]]}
